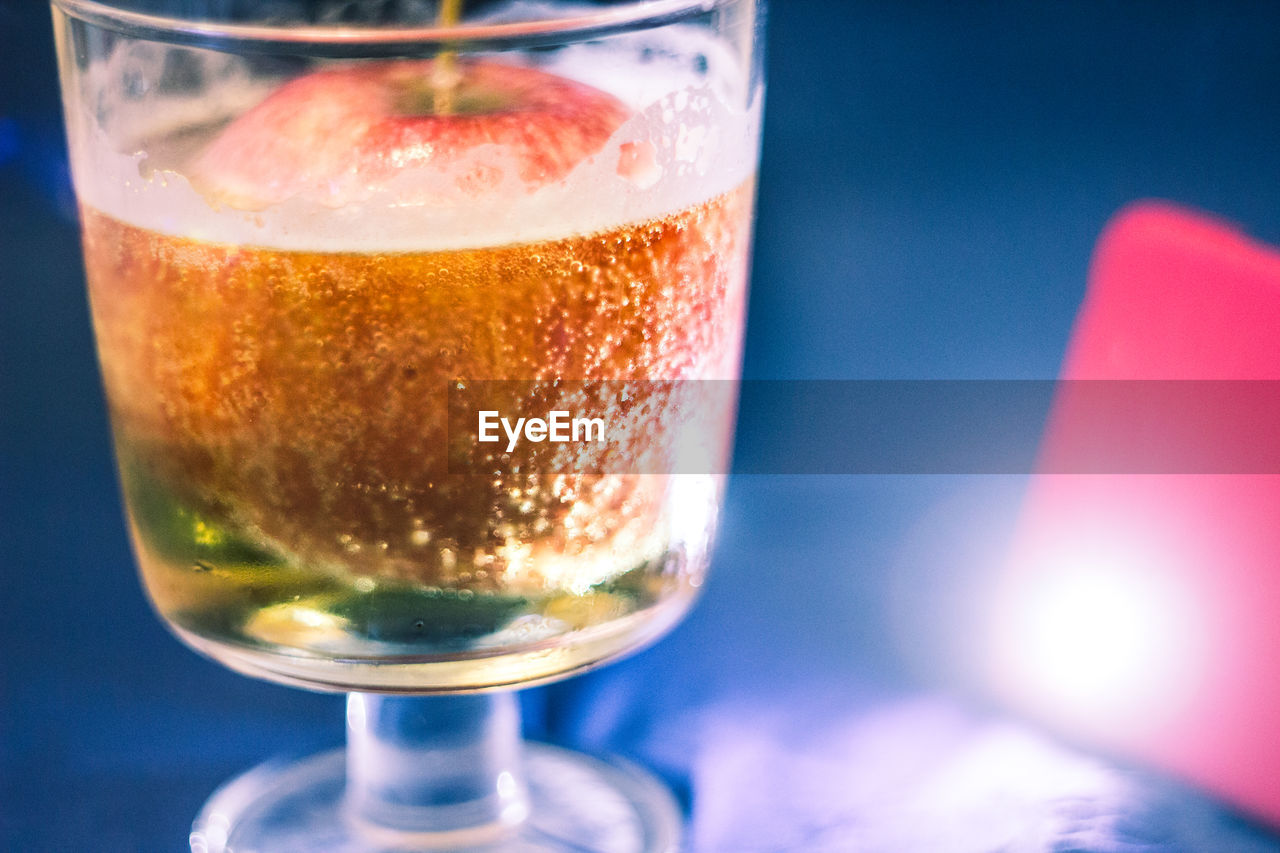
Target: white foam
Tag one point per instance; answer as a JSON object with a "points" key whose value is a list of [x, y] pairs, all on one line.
{"points": [[702, 127]]}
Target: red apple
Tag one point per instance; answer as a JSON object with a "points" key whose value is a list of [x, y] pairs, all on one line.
{"points": [[338, 133]]}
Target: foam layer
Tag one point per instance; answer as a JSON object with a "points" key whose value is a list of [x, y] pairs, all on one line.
{"points": [[686, 143]]}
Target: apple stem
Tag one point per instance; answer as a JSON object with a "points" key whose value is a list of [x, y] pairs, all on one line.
{"points": [[445, 77]]}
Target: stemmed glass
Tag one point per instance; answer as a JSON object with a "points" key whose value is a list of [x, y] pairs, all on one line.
{"points": [[305, 224]]}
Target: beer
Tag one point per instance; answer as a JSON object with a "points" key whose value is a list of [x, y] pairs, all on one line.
{"points": [[280, 428]]}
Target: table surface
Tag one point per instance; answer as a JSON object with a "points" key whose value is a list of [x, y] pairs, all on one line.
{"points": [[934, 178]]}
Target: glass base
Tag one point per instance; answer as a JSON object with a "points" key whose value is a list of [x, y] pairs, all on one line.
{"points": [[575, 803]]}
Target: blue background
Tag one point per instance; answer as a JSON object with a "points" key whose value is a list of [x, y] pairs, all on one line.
{"points": [[935, 175]]}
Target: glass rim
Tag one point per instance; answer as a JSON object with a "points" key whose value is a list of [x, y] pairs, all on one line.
{"points": [[316, 39]]}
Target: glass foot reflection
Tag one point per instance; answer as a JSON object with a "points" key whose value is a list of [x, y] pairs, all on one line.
{"points": [[575, 803]]}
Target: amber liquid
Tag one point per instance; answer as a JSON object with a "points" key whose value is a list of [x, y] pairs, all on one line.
{"points": [[280, 427]]}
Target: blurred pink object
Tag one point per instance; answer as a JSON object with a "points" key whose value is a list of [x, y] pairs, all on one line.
{"points": [[1141, 613]]}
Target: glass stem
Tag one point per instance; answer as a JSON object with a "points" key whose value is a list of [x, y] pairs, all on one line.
{"points": [[435, 764]]}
